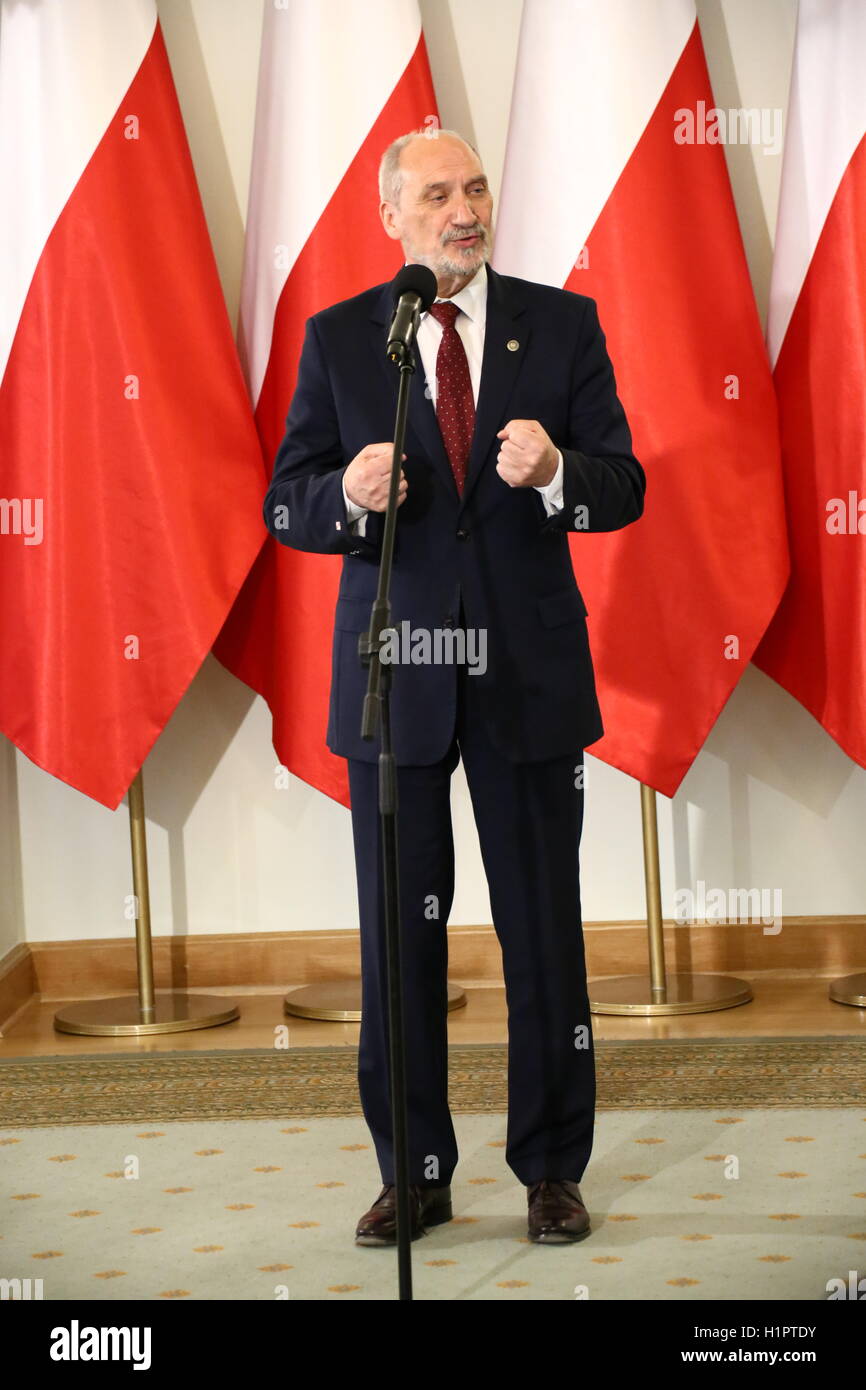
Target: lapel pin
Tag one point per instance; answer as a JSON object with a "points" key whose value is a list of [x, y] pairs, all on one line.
{"points": [[512, 345]]}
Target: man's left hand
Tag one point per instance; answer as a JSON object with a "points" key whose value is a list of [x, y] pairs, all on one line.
{"points": [[528, 457]]}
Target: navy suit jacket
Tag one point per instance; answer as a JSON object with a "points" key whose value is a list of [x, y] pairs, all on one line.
{"points": [[494, 549]]}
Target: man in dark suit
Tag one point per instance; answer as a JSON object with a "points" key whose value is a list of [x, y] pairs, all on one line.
{"points": [[515, 437]]}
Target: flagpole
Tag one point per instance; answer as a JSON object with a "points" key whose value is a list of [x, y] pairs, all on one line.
{"points": [[148, 1011], [658, 992]]}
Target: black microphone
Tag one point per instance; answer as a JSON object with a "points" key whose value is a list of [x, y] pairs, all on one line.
{"points": [[415, 288]]}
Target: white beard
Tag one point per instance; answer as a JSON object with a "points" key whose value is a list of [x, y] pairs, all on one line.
{"points": [[444, 265], [460, 267]]}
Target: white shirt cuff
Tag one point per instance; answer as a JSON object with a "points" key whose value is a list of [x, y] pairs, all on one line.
{"points": [[551, 493], [357, 516]]}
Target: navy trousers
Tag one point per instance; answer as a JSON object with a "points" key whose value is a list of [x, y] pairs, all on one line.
{"points": [[529, 818]]}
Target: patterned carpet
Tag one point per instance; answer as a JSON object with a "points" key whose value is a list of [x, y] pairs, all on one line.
{"points": [[686, 1206], [121, 1088]]}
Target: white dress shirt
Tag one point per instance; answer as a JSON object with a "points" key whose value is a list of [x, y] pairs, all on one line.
{"points": [[470, 324]]}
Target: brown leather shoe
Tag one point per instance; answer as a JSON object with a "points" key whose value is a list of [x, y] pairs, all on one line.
{"points": [[556, 1212], [428, 1206]]}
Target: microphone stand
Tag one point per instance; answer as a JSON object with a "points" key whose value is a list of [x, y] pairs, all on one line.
{"points": [[376, 704]]}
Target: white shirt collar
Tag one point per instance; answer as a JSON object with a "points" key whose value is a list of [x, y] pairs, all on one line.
{"points": [[472, 299]]}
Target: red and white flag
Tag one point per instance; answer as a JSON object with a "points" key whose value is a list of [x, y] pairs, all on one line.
{"points": [[331, 98], [130, 470], [616, 187], [816, 645]]}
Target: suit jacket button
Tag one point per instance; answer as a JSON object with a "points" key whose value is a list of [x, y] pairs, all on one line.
{"points": [[462, 535]]}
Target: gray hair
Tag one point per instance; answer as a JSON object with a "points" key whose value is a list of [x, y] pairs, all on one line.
{"points": [[390, 173]]}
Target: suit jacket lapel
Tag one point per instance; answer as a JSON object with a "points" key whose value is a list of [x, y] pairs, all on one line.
{"points": [[506, 323], [421, 419]]}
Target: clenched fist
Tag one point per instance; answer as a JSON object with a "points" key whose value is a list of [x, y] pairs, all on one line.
{"points": [[368, 476], [528, 457]]}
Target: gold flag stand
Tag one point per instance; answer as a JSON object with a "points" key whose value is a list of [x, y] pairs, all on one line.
{"points": [[659, 993], [339, 1001], [849, 989], [149, 1011]]}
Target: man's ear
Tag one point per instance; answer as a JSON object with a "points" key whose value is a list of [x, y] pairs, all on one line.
{"points": [[386, 212]]}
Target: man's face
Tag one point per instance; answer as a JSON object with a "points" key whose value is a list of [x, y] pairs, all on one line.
{"points": [[444, 213]]}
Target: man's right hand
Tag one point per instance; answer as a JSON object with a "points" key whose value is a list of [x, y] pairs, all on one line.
{"points": [[368, 477]]}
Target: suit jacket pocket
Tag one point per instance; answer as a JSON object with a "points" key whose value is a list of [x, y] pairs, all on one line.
{"points": [[352, 614], [564, 607]]}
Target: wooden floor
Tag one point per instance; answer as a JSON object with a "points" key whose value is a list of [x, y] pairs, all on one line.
{"points": [[794, 1004]]}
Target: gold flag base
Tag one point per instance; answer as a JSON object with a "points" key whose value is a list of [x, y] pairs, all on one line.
{"points": [[659, 993], [340, 1001], [124, 1017], [682, 994], [149, 1011], [849, 989]]}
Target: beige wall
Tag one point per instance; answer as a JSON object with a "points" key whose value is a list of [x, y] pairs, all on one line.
{"points": [[770, 802]]}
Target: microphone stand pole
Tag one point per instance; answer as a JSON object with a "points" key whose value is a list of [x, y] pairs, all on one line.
{"points": [[377, 708]]}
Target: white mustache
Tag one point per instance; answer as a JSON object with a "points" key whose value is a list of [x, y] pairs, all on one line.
{"points": [[463, 236]]}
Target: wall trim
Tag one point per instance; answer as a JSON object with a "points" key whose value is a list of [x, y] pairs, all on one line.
{"points": [[265, 961]]}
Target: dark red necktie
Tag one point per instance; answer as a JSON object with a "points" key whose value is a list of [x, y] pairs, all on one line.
{"points": [[455, 404]]}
